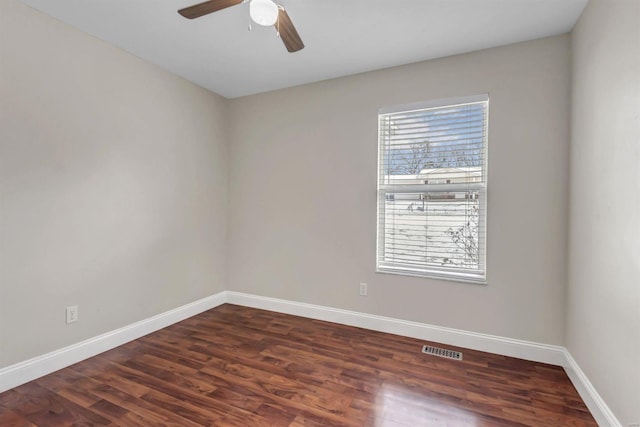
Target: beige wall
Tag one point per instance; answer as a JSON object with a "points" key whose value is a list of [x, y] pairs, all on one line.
{"points": [[303, 192], [113, 180], [603, 316]]}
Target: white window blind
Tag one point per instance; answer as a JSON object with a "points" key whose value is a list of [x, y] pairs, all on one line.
{"points": [[432, 189]]}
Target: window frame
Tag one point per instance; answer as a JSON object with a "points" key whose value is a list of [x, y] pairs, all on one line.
{"points": [[442, 273]]}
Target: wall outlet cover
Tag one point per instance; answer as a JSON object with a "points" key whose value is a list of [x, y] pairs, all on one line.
{"points": [[72, 314], [363, 289]]}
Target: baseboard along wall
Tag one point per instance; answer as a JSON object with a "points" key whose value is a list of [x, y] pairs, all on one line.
{"points": [[23, 372], [28, 370]]}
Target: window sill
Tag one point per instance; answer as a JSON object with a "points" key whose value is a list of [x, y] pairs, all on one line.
{"points": [[437, 276]]}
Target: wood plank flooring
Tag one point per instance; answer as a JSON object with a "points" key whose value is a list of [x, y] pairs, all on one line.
{"points": [[237, 366]]}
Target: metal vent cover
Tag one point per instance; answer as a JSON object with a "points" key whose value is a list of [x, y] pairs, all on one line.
{"points": [[442, 352]]}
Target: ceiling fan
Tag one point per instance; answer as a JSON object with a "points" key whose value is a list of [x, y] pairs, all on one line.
{"points": [[262, 12]]}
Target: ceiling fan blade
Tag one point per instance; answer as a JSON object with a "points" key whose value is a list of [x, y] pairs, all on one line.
{"points": [[288, 33], [206, 8]]}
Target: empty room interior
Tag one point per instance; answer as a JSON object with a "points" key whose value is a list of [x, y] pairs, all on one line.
{"points": [[320, 213]]}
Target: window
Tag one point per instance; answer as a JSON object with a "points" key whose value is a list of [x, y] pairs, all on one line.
{"points": [[432, 189]]}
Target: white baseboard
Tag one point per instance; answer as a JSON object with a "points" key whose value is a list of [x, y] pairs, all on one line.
{"points": [[23, 372], [20, 373], [599, 409], [490, 343]]}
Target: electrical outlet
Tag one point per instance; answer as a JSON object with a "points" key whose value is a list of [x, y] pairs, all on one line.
{"points": [[72, 314], [363, 289]]}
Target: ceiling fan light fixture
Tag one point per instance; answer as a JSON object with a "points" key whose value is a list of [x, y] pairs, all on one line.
{"points": [[263, 12]]}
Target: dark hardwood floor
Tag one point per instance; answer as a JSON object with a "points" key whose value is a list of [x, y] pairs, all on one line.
{"points": [[236, 366]]}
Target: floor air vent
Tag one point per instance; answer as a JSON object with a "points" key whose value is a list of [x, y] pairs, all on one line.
{"points": [[442, 352]]}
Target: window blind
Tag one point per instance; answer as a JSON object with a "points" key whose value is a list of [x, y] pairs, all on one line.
{"points": [[432, 189]]}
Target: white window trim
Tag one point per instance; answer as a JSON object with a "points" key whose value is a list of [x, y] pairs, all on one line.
{"points": [[444, 102], [434, 272]]}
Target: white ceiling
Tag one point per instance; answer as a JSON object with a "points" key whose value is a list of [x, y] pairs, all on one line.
{"points": [[342, 37]]}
